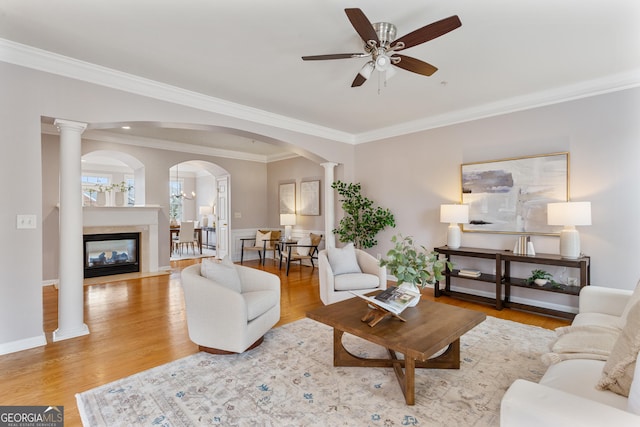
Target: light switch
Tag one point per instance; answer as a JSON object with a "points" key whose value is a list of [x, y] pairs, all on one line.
{"points": [[26, 221]]}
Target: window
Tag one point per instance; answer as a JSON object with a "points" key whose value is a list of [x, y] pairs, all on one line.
{"points": [[90, 184], [175, 202]]}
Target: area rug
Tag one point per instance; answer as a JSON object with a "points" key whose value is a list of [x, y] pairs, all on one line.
{"points": [[290, 380]]}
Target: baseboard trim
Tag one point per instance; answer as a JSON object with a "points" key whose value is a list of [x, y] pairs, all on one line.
{"points": [[23, 344]]}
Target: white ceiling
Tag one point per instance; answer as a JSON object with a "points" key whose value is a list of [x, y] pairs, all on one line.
{"points": [[508, 55]]}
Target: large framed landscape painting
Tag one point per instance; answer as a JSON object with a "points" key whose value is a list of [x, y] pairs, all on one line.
{"points": [[511, 195]]}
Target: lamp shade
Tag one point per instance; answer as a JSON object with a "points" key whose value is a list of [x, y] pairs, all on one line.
{"points": [[287, 219], [454, 214], [204, 210], [569, 213]]}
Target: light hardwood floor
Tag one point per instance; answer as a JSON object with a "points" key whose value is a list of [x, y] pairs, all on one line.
{"points": [[137, 324]]}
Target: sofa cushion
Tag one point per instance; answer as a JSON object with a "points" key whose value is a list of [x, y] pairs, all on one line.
{"points": [[222, 272], [617, 373], [259, 302], [579, 377], [343, 260], [355, 281]]}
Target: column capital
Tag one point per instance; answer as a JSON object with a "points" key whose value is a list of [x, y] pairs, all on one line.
{"points": [[70, 125], [328, 165]]}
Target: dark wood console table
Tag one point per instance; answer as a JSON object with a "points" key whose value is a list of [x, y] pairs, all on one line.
{"points": [[502, 277]]}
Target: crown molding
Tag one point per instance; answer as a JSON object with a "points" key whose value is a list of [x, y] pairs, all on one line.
{"points": [[608, 84], [161, 144], [42, 60]]}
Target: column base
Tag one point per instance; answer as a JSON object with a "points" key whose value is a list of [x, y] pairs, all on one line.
{"points": [[59, 335]]}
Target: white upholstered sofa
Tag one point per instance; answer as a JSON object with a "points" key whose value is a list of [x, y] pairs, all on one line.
{"points": [[567, 394], [360, 273], [230, 310]]}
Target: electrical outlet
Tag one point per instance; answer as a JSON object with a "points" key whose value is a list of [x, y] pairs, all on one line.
{"points": [[26, 221]]}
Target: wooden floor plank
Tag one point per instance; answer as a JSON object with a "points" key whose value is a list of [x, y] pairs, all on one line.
{"points": [[139, 323]]}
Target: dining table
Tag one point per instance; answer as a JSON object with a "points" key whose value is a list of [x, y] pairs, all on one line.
{"points": [[175, 231]]}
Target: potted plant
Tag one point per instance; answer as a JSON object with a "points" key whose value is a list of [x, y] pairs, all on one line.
{"points": [[362, 220], [101, 195], [540, 278], [120, 188], [414, 266]]}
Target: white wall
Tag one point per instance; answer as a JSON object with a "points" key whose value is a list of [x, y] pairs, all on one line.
{"points": [[602, 134], [27, 96]]}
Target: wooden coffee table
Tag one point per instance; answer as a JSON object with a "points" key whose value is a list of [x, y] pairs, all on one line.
{"points": [[429, 327]]}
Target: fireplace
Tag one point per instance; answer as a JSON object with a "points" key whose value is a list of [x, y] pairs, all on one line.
{"points": [[113, 253]]}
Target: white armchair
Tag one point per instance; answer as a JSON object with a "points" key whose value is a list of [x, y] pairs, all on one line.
{"points": [[230, 318], [334, 288]]}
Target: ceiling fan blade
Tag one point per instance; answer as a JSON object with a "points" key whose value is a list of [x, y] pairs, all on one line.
{"points": [[362, 25], [332, 56], [358, 81], [414, 65], [429, 32]]}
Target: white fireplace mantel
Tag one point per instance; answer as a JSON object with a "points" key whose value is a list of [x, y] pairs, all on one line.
{"points": [[114, 219]]}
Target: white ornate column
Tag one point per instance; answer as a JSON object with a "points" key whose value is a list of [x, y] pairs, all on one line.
{"points": [[329, 204], [71, 271]]}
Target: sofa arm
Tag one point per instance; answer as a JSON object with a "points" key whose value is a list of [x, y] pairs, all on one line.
{"points": [[527, 404], [598, 299]]}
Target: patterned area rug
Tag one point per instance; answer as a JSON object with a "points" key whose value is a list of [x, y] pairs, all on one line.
{"points": [[290, 380]]}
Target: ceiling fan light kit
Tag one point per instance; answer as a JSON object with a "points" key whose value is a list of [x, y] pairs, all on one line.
{"points": [[380, 45]]}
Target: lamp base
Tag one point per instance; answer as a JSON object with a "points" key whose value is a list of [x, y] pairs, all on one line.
{"points": [[287, 232], [454, 236], [570, 243]]}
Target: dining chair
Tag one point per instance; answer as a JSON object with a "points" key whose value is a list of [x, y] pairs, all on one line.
{"points": [[186, 236], [305, 249]]}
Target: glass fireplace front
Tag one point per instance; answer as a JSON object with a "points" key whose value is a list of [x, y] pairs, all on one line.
{"points": [[114, 253]]}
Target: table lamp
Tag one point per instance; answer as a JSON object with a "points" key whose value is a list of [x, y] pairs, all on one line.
{"points": [[569, 214], [454, 215], [204, 212], [287, 220]]}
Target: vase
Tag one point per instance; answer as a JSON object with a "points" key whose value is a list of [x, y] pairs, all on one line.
{"points": [[101, 198], [540, 282], [119, 198], [411, 287]]}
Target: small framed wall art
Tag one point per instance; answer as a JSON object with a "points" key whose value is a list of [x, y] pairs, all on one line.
{"points": [[287, 196], [310, 197]]}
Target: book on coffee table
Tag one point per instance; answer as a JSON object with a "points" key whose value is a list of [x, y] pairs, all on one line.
{"points": [[393, 299]]}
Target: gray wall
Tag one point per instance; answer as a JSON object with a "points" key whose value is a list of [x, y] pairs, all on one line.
{"points": [[602, 135], [412, 175]]}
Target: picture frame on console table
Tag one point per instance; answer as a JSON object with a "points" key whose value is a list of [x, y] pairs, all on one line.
{"points": [[510, 196]]}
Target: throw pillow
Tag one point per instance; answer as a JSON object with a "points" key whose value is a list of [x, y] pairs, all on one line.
{"points": [[304, 251], [343, 260], [633, 404], [261, 236], [582, 342], [635, 297], [617, 373], [222, 272]]}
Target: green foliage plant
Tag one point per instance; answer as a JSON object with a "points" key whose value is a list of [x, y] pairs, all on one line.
{"points": [[540, 274], [362, 220], [414, 264]]}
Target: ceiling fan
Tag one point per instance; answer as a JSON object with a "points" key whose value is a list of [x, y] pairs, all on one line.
{"points": [[380, 44]]}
